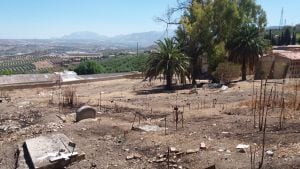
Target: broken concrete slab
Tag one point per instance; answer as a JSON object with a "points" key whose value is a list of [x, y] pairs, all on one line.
{"points": [[191, 151], [49, 152], [149, 128], [85, 112]]}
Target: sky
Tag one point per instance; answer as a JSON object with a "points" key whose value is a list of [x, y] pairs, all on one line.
{"points": [[54, 18]]}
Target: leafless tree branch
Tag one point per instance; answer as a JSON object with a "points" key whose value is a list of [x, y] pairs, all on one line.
{"points": [[168, 19]]}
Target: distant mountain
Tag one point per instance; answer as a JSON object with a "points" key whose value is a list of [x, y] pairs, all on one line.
{"points": [[144, 38], [85, 35], [272, 27]]}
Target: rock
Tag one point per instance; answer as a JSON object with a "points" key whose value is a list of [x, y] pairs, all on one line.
{"points": [[191, 151], [242, 147], [270, 153], [130, 157], [221, 150], [93, 165], [179, 153], [134, 156], [224, 87], [225, 132], [202, 146], [211, 167], [4, 128], [173, 149], [160, 160]]}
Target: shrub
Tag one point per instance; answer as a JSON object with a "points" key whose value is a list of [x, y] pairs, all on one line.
{"points": [[227, 71], [89, 67], [6, 72]]}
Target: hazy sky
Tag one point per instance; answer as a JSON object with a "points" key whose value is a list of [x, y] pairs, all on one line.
{"points": [[54, 18]]}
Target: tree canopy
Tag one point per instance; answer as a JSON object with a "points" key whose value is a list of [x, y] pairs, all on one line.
{"points": [[89, 67], [168, 61], [207, 27]]}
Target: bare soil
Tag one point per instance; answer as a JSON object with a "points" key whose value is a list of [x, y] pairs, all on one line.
{"points": [[109, 139]]}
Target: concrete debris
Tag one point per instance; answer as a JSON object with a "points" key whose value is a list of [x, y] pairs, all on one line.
{"points": [[242, 148], [134, 156], [173, 149], [225, 132], [191, 151], [270, 153], [150, 128], [202, 146], [43, 152], [224, 87]]}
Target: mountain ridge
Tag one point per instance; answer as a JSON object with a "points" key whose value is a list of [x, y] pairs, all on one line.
{"points": [[143, 38]]}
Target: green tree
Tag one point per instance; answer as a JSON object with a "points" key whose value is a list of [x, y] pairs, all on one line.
{"points": [[294, 40], [287, 37], [207, 26], [168, 61], [89, 67], [227, 71], [246, 46]]}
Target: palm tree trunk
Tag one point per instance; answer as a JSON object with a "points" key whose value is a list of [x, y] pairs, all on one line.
{"points": [[244, 69], [195, 70], [169, 81]]}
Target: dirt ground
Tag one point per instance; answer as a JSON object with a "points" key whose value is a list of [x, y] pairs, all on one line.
{"points": [[110, 139]]}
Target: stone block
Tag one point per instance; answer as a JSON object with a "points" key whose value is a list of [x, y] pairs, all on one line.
{"points": [[85, 112]]}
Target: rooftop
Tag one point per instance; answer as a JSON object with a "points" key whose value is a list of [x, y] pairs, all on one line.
{"points": [[293, 55]]}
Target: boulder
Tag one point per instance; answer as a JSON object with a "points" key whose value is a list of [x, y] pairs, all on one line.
{"points": [[85, 112]]}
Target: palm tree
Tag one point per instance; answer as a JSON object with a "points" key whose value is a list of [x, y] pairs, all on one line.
{"points": [[192, 48], [245, 47], [169, 61]]}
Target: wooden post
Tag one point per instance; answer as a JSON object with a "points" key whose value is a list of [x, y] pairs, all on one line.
{"points": [[182, 118], [168, 158], [139, 119], [176, 116], [133, 122], [100, 102], [254, 111], [165, 125]]}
